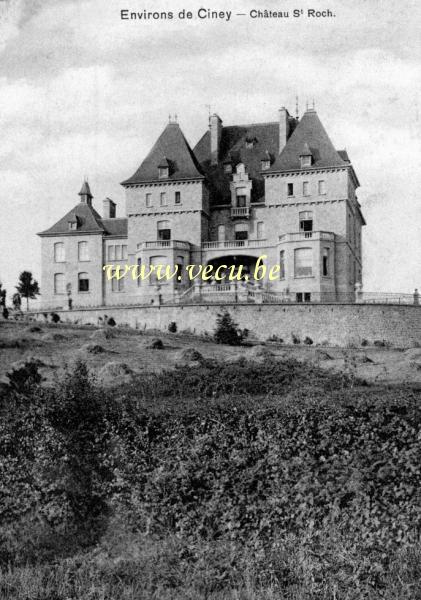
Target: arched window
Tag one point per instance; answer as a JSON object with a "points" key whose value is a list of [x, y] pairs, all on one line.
{"points": [[164, 230], [59, 283], [83, 282], [59, 254], [303, 262], [260, 230], [306, 222], [83, 251], [241, 231], [221, 233]]}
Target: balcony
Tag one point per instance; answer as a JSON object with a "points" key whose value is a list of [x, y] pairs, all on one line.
{"points": [[170, 244], [327, 236], [233, 244], [240, 211]]}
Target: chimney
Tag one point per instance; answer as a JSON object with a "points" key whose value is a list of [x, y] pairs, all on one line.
{"points": [[283, 128], [108, 208], [216, 133]]}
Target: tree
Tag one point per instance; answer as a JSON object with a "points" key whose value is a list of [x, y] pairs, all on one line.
{"points": [[27, 287], [227, 331], [2, 295]]}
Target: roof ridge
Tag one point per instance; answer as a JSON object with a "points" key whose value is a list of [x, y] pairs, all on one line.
{"points": [[252, 124]]}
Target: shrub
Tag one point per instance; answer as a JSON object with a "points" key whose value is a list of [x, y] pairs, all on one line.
{"points": [[55, 318], [379, 343], [295, 339], [172, 327], [364, 342], [275, 338], [111, 322], [308, 341], [227, 331]]}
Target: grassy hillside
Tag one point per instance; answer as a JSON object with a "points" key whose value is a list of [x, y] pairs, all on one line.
{"points": [[241, 480]]}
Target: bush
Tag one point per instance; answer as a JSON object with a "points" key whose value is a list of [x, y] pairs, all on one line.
{"points": [[111, 322], [364, 342], [308, 341], [295, 339], [172, 327], [55, 318], [227, 331]]}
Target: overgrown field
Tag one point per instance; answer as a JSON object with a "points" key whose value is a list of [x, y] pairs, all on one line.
{"points": [[244, 480]]}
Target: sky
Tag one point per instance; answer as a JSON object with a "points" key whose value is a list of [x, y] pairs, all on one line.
{"points": [[85, 93]]}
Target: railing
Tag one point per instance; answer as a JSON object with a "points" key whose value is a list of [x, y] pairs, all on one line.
{"points": [[307, 235], [177, 244], [247, 292], [232, 244], [240, 211]]}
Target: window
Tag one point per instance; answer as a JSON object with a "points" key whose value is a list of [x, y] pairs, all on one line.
{"points": [[111, 252], [117, 285], [59, 254], [139, 265], [221, 233], [72, 225], [260, 230], [59, 283], [306, 188], [83, 282], [118, 254], [83, 251], [326, 262], [322, 187], [164, 231], [303, 262], [155, 261], [148, 199], [163, 199], [306, 223], [227, 168], [300, 296], [180, 268], [282, 264], [290, 189], [163, 172], [265, 164], [241, 231], [177, 198]]}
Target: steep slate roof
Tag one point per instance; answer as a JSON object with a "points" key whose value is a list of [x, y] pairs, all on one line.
{"points": [[89, 221], [309, 131], [172, 147], [115, 226], [233, 149]]}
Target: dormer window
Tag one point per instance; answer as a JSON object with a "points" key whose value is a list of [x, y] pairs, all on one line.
{"points": [[164, 169], [163, 172], [306, 157], [305, 161], [250, 141], [266, 161], [73, 223], [227, 167]]}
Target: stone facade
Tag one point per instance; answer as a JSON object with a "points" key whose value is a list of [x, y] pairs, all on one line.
{"points": [[276, 190]]}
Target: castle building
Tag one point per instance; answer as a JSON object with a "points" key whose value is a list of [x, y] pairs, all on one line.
{"points": [[276, 190]]}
